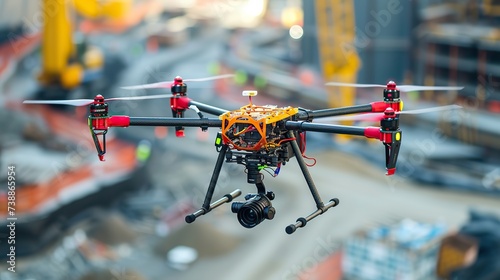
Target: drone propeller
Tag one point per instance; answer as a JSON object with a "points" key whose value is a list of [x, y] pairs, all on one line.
{"points": [[379, 116], [404, 88], [224, 76], [157, 96], [167, 84], [74, 102], [83, 102]]}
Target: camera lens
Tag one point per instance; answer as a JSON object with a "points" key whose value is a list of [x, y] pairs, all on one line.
{"points": [[248, 217], [253, 211]]}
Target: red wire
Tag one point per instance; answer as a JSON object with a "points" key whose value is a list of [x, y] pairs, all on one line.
{"points": [[286, 139], [303, 149]]}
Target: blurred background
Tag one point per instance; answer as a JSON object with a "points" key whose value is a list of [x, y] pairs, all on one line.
{"points": [[79, 218]]}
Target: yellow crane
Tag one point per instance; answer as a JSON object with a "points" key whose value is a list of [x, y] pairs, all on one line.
{"points": [[61, 64], [339, 59], [336, 30]]}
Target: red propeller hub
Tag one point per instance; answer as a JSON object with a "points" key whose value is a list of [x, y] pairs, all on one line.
{"points": [[99, 98], [389, 113], [178, 80], [391, 93], [391, 85], [178, 87]]}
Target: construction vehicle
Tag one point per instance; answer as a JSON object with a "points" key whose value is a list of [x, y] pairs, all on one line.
{"points": [[64, 64]]}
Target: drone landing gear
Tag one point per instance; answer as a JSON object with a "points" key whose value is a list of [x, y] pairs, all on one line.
{"points": [[321, 207], [257, 207], [207, 207], [250, 213]]}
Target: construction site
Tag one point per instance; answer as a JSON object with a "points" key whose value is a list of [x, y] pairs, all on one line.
{"points": [[136, 131]]}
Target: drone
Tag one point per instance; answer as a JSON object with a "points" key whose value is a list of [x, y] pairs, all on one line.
{"points": [[257, 137]]}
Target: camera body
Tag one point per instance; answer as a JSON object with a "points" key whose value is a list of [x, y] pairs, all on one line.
{"points": [[255, 209]]}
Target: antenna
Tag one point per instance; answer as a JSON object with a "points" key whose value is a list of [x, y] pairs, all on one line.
{"points": [[249, 93]]}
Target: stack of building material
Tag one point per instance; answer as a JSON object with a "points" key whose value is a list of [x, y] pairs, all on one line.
{"points": [[404, 250]]}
